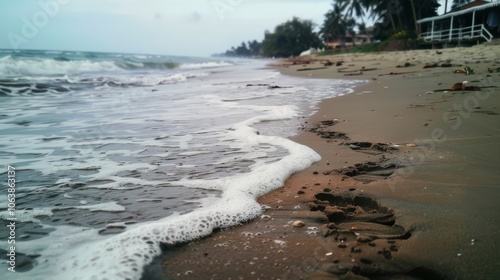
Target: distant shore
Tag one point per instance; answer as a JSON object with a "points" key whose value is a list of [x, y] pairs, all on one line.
{"points": [[407, 185]]}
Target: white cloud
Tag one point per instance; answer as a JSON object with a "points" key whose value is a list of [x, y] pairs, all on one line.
{"points": [[174, 27]]}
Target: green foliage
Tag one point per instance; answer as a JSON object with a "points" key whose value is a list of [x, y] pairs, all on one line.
{"points": [[337, 24], [375, 47], [399, 35], [252, 48], [394, 20], [393, 16], [368, 48], [290, 39]]}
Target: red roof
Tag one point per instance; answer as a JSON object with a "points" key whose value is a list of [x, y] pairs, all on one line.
{"points": [[473, 4]]}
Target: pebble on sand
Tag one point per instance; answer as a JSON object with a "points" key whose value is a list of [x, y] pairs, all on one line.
{"points": [[298, 224]]}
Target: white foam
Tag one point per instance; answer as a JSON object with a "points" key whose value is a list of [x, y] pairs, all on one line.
{"points": [[24, 216], [152, 80], [28, 67], [81, 253], [110, 206], [134, 80], [204, 65], [30, 215], [43, 67], [124, 256]]}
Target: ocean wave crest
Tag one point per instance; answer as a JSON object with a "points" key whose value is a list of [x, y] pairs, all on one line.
{"points": [[204, 65], [10, 67], [62, 65], [23, 87]]}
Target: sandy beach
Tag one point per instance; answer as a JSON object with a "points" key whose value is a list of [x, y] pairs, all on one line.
{"points": [[407, 187]]}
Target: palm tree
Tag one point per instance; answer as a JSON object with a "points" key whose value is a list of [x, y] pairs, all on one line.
{"points": [[382, 9], [334, 24], [356, 7], [401, 15], [337, 23], [362, 28], [414, 16]]}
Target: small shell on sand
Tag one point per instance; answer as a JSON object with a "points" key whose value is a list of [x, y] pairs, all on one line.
{"points": [[411, 145], [298, 224]]}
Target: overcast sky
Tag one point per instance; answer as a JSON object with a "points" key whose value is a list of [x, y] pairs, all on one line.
{"points": [[174, 27]]}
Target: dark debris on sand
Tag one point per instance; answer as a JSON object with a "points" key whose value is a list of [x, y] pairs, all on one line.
{"points": [[322, 129], [369, 171], [368, 237], [365, 236]]}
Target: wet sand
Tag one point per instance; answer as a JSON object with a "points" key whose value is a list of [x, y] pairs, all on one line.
{"points": [[407, 187]]}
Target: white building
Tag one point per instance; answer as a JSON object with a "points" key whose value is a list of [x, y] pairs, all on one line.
{"points": [[475, 21]]}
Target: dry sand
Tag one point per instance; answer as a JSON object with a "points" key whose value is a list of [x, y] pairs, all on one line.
{"points": [[407, 186]]}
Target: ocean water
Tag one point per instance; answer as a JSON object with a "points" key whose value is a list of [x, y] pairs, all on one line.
{"points": [[115, 154]]}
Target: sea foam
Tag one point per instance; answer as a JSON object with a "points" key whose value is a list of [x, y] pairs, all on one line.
{"points": [[205, 65], [116, 150], [35, 67], [124, 256]]}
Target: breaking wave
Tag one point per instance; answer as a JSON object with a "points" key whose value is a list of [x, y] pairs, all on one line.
{"points": [[54, 64]]}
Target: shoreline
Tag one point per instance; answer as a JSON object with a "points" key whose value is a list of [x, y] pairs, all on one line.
{"points": [[438, 186]]}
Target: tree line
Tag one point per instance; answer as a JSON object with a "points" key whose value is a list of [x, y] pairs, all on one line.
{"points": [[393, 19]]}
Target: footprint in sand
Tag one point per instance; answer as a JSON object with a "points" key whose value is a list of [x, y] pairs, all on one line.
{"points": [[366, 237]]}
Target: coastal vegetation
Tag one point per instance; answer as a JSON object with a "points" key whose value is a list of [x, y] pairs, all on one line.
{"points": [[287, 39], [290, 39], [252, 48], [392, 20]]}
